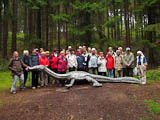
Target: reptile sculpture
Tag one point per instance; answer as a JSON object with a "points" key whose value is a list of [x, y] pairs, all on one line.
{"points": [[81, 75]]}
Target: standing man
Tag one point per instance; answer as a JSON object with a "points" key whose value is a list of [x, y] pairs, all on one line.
{"points": [[72, 61], [16, 66], [34, 58], [128, 61], [80, 61], [93, 62], [26, 60], [141, 66], [118, 63]]}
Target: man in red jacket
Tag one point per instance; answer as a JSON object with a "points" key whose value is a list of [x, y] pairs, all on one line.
{"points": [[43, 76], [110, 65]]}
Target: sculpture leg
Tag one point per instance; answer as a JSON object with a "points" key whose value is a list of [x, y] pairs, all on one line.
{"points": [[71, 83], [95, 83]]}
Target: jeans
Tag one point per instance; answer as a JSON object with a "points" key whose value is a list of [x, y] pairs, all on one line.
{"points": [[14, 82], [110, 73]]}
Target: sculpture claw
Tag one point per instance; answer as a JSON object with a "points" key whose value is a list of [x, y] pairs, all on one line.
{"points": [[68, 85], [97, 85]]}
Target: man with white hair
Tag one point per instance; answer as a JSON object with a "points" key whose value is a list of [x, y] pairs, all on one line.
{"points": [[141, 66], [128, 62], [118, 63], [26, 60], [92, 62], [16, 65]]}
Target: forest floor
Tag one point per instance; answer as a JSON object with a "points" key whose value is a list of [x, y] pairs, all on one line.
{"points": [[113, 101]]}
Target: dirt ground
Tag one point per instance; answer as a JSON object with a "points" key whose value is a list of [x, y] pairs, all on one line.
{"points": [[113, 101]]}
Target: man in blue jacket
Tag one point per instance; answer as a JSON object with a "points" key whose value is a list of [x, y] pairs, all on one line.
{"points": [[80, 61], [35, 74]]}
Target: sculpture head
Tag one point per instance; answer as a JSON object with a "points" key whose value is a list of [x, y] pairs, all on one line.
{"points": [[38, 67]]}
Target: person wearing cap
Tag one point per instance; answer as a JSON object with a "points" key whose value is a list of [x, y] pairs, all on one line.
{"points": [[72, 61], [80, 61], [62, 67], [92, 62], [141, 66], [110, 65], [68, 51], [43, 76], [128, 63], [26, 60], [34, 58], [102, 65], [118, 63]]}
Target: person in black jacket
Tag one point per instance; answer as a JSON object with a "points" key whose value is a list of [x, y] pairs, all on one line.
{"points": [[35, 74], [26, 60]]}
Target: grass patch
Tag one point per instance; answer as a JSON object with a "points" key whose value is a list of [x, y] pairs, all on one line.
{"points": [[108, 116], [134, 98], [153, 75], [154, 107]]}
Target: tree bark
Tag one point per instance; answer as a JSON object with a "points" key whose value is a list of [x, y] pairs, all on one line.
{"points": [[1, 24], [5, 28], [14, 25]]}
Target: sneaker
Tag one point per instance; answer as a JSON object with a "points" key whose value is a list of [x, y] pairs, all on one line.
{"points": [[38, 86], [33, 88], [14, 92]]}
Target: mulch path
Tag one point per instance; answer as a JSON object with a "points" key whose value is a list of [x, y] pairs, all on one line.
{"points": [[113, 101]]}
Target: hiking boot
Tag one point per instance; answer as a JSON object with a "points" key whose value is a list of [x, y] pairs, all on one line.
{"points": [[33, 88]]}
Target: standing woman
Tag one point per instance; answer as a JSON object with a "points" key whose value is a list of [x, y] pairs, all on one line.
{"points": [[16, 66], [141, 66], [43, 76], [110, 65], [62, 67], [102, 65]]}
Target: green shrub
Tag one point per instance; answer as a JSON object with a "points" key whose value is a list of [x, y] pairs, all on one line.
{"points": [[3, 65], [154, 107]]}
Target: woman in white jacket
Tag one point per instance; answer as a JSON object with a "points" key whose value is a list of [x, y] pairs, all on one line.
{"points": [[102, 65]]}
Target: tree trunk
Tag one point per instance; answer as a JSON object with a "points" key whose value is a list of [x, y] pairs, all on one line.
{"points": [[5, 28], [126, 19], [1, 24], [14, 25]]}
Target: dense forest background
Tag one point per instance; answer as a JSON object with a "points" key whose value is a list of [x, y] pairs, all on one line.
{"points": [[25, 24]]}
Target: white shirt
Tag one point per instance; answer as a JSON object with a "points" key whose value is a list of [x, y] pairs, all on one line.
{"points": [[72, 60]]}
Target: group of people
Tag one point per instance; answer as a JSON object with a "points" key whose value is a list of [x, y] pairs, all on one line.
{"points": [[84, 59]]}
